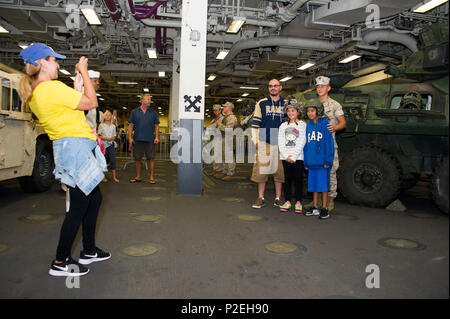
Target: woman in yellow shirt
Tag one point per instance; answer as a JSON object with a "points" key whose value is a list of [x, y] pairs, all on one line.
{"points": [[79, 163]]}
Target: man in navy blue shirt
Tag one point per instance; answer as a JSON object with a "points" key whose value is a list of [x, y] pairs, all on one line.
{"points": [[145, 123]]}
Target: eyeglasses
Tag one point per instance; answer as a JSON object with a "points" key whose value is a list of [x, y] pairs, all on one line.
{"points": [[274, 85]]}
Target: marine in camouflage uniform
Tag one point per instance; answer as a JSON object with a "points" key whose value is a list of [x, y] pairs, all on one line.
{"points": [[229, 121], [217, 109], [335, 114]]}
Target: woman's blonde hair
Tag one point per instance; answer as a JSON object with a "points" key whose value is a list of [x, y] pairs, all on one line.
{"points": [[25, 90], [104, 116]]}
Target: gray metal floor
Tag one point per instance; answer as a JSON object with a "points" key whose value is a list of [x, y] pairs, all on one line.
{"points": [[206, 251]]}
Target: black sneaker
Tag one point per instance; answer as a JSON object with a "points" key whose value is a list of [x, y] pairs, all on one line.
{"points": [[313, 211], [99, 255], [68, 268], [324, 213], [277, 202]]}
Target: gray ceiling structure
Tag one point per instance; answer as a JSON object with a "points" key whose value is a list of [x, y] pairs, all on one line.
{"points": [[277, 38]]}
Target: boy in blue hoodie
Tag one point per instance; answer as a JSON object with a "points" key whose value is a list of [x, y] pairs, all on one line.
{"points": [[318, 158]]}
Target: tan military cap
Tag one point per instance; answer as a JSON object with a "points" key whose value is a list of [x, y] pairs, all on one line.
{"points": [[228, 103], [322, 80], [217, 107]]}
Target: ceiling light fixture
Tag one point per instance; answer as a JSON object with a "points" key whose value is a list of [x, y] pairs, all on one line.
{"points": [[249, 87], [425, 6], [161, 74], [286, 78], [151, 52], [145, 89], [305, 66], [23, 45], [245, 94], [211, 77], [239, 100], [350, 58], [90, 15], [236, 25], [222, 54], [3, 30], [127, 83]]}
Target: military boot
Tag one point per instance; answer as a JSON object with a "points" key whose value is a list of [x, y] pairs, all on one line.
{"points": [[219, 175], [330, 204]]}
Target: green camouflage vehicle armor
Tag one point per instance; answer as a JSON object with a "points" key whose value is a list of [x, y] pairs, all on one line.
{"points": [[397, 128]]}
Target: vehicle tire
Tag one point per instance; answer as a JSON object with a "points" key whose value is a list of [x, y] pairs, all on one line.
{"points": [[42, 176], [370, 176], [439, 185]]}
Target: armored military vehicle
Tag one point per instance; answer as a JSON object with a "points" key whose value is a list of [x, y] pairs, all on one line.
{"points": [[397, 128], [25, 149]]}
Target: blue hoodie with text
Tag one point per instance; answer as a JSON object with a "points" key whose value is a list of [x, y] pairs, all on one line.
{"points": [[319, 147]]}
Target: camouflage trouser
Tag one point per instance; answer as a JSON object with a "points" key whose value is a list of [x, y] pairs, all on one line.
{"points": [[217, 167], [228, 168], [333, 179]]}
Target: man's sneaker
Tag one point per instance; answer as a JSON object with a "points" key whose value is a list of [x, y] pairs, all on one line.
{"points": [[277, 202], [285, 207], [313, 211], [98, 255], [324, 213], [298, 208], [258, 203], [68, 268]]}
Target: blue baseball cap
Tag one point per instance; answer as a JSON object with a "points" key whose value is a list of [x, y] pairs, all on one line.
{"points": [[37, 51]]}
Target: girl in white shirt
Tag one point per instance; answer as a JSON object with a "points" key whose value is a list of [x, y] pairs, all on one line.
{"points": [[291, 140], [107, 132]]}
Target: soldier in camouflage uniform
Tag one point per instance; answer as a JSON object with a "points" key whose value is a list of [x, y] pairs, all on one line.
{"points": [[229, 121], [217, 110], [333, 110]]}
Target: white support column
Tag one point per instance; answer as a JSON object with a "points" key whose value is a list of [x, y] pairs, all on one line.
{"points": [[191, 96], [174, 117]]}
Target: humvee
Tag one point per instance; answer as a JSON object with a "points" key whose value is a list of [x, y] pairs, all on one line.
{"points": [[25, 149], [397, 128]]}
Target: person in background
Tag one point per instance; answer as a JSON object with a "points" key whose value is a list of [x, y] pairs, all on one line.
{"points": [[145, 123], [107, 132], [229, 121], [217, 110], [94, 116], [59, 109]]}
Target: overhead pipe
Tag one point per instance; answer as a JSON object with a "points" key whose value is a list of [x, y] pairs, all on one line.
{"points": [[391, 36], [254, 43], [144, 11], [162, 23], [291, 13], [115, 12]]}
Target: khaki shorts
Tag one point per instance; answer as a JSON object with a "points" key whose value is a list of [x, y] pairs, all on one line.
{"points": [[268, 165], [143, 148]]}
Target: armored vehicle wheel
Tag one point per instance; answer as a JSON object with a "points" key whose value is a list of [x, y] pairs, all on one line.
{"points": [[370, 176], [439, 185], [42, 176]]}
